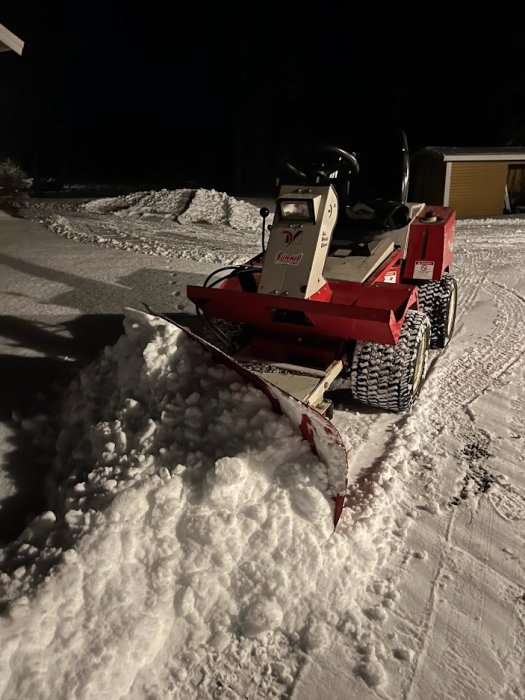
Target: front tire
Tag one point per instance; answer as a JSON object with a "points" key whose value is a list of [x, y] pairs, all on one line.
{"points": [[390, 377]]}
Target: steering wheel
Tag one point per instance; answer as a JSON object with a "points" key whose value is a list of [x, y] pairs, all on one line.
{"points": [[322, 160]]}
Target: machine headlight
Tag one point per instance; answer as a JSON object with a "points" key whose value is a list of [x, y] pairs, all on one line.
{"points": [[297, 209]]}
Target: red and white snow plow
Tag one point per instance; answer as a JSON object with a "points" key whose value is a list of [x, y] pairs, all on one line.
{"points": [[361, 290], [349, 293]]}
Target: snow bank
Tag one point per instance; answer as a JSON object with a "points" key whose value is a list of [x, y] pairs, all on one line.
{"points": [[163, 202], [204, 226], [184, 205], [189, 547]]}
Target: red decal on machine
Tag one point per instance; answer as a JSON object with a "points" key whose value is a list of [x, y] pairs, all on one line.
{"points": [[289, 238], [283, 258]]}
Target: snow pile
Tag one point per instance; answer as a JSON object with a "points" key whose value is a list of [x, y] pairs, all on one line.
{"points": [[201, 226], [168, 203], [184, 205], [197, 225], [189, 551], [211, 207]]}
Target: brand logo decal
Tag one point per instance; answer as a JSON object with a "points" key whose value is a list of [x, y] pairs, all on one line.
{"points": [[291, 237], [282, 258]]}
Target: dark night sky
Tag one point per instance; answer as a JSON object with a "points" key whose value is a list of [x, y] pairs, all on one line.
{"points": [[211, 94]]}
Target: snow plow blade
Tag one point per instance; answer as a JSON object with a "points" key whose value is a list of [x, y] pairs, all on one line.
{"points": [[322, 436]]}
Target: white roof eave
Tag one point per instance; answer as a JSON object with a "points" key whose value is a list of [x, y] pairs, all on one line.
{"points": [[485, 157], [514, 154], [9, 41]]}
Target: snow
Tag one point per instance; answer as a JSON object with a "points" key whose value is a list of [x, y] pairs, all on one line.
{"points": [[187, 547], [200, 225]]}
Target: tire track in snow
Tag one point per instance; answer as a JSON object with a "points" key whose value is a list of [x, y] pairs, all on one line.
{"points": [[466, 376], [462, 381], [471, 267], [217, 244], [459, 612], [508, 500], [452, 385]]}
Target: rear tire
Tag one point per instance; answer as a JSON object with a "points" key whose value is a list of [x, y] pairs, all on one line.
{"points": [[390, 377], [438, 299]]}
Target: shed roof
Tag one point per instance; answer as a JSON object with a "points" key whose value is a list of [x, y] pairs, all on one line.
{"points": [[9, 41], [453, 153]]}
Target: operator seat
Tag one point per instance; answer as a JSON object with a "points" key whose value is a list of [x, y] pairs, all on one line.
{"points": [[372, 195], [375, 200]]}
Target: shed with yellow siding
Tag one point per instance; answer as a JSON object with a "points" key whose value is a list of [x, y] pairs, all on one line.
{"points": [[474, 181]]}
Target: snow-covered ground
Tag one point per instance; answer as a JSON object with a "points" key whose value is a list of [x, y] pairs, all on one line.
{"points": [[187, 549], [199, 225]]}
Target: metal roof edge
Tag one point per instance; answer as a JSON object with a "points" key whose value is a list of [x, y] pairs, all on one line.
{"points": [[9, 41], [473, 154]]}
